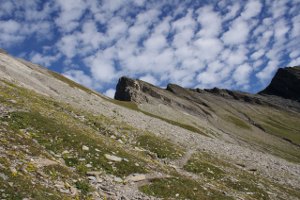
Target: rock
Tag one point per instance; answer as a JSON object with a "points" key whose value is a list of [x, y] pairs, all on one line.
{"points": [[124, 198], [3, 176], [93, 173], [85, 148], [92, 178], [135, 178], [118, 180], [88, 165], [65, 152], [12, 101], [113, 137], [113, 158], [138, 149], [120, 141]]}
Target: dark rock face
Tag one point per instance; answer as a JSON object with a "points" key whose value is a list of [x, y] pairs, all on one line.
{"points": [[123, 92], [135, 90], [286, 84]]}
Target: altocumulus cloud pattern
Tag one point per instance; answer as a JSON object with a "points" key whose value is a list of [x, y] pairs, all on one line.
{"points": [[228, 44]]}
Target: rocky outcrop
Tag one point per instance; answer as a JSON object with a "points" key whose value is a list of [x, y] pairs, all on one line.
{"points": [[136, 90], [286, 84]]}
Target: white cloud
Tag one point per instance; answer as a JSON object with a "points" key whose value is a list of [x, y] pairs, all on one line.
{"points": [[267, 72], [237, 56], [112, 6], [110, 93], [10, 26], [208, 48], [233, 11], [252, 9], [6, 8], [237, 33], [71, 12], [210, 21], [257, 54], [241, 74], [68, 45], [296, 26], [155, 43], [116, 28], [101, 67], [208, 78], [10, 31]]}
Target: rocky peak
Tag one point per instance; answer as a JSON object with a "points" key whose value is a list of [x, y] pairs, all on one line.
{"points": [[135, 90], [286, 84], [124, 89]]}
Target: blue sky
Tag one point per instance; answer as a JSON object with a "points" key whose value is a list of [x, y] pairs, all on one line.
{"points": [[198, 44]]}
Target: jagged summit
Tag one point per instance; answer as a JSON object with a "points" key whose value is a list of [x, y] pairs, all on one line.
{"points": [[286, 84]]}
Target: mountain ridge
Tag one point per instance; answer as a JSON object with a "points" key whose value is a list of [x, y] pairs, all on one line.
{"points": [[266, 96]]}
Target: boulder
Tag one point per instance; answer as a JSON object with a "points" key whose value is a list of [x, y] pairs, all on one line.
{"points": [[113, 158]]}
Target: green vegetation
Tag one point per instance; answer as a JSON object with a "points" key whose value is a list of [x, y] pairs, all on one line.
{"points": [[249, 187], [21, 187], [206, 165], [284, 126], [39, 126], [180, 188], [209, 167], [237, 122], [58, 172], [161, 147], [281, 127], [58, 137], [208, 170], [83, 186]]}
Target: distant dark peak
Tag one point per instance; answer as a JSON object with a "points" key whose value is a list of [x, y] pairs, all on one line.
{"points": [[3, 51], [286, 84]]}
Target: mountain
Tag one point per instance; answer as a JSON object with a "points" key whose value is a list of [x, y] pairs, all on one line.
{"points": [[286, 84], [61, 140]]}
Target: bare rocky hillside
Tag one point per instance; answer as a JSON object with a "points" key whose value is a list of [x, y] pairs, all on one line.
{"points": [[60, 140]]}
